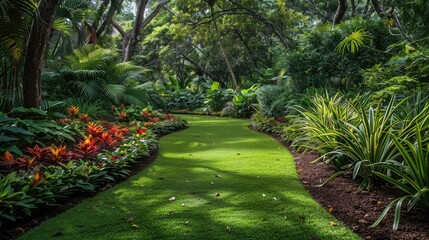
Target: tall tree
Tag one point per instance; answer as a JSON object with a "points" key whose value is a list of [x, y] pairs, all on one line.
{"points": [[341, 11], [133, 37], [36, 46]]}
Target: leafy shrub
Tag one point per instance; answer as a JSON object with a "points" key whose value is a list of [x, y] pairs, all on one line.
{"points": [[316, 64], [244, 102], [184, 100], [216, 98], [274, 100]]}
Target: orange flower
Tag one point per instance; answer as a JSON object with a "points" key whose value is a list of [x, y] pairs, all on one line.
{"points": [[38, 152], [7, 158], [72, 110], [141, 130], [26, 161], [94, 129], [87, 148], [123, 115], [60, 153], [108, 140], [148, 124], [146, 113], [38, 178], [154, 120], [168, 116], [84, 117]]}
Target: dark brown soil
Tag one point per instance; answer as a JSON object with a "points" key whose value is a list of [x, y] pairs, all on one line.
{"points": [[356, 208]]}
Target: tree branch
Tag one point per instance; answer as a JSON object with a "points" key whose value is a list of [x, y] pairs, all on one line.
{"points": [[119, 28], [155, 11]]}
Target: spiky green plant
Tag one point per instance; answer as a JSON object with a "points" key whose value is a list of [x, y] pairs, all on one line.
{"points": [[365, 144], [410, 174]]}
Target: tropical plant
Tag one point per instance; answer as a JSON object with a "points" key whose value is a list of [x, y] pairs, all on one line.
{"points": [[274, 101], [95, 74], [409, 174]]}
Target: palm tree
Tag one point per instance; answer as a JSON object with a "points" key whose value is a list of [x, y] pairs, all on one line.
{"points": [[95, 73]]}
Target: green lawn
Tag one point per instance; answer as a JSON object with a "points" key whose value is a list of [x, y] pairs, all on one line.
{"points": [[228, 183]]}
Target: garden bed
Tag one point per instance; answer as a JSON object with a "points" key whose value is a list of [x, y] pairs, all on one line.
{"points": [[356, 208], [14, 230]]}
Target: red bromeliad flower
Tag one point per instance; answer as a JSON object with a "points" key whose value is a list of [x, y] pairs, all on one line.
{"points": [[148, 124], [84, 117], [72, 110], [38, 152], [59, 154], [26, 161], [94, 129], [145, 113], [154, 120], [64, 121], [123, 115], [113, 107], [100, 165], [141, 130], [125, 131], [87, 148], [168, 116], [107, 140], [7, 159], [38, 179]]}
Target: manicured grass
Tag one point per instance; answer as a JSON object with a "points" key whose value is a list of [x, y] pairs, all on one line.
{"points": [[228, 183]]}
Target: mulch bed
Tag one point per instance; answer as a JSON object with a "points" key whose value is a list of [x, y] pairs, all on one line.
{"points": [[356, 208]]}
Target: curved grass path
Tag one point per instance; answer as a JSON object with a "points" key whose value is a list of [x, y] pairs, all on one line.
{"points": [[259, 194]]}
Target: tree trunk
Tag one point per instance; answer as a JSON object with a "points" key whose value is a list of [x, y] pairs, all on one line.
{"points": [[35, 50], [129, 43], [378, 8], [225, 57], [341, 11]]}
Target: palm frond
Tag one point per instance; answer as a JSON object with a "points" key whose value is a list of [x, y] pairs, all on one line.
{"points": [[353, 42]]}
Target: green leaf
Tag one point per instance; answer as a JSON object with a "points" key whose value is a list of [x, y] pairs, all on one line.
{"points": [[16, 130]]}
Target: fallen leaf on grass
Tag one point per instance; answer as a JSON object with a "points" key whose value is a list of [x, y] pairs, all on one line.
{"points": [[183, 204], [275, 198], [217, 194], [172, 199], [20, 230], [217, 175], [228, 229], [263, 194], [134, 226], [212, 183], [130, 219], [330, 210], [333, 224]]}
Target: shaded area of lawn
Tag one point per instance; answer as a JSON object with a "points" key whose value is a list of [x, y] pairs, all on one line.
{"points": [[227, 182]]}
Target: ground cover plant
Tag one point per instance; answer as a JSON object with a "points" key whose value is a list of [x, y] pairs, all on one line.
{"points": [[217, 178], [36, 177]]}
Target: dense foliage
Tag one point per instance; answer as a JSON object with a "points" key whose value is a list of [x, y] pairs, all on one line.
{"points": [[333, 76]]}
